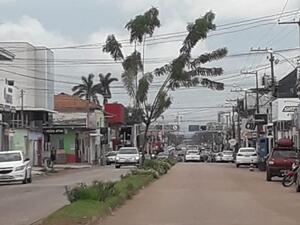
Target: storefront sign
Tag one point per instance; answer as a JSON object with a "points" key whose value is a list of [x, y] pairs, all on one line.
{"points": [[261, 118], [54, 131], [7, 95], [284, 108]]}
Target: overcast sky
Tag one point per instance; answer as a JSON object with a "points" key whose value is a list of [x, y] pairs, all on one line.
{"points": [[58, 23]]}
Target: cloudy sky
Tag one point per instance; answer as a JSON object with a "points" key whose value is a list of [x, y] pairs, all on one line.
{"points": [[60, 23]]}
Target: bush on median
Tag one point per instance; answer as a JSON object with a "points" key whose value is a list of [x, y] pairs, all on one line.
{"points": [[99, 198], [161, 166]]}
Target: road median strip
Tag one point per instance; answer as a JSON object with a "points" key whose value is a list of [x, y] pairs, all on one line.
{"points": [[90, 203]]}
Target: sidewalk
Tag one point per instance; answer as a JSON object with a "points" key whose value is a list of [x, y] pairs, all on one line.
{"points": [[38, 171]]}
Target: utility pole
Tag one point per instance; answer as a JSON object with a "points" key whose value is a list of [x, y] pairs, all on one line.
{"points": [[271, 59], [239, 124], [233, 123], [22, 108]]}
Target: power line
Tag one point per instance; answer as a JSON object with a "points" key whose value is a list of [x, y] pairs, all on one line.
{"points": [[175, 34]]}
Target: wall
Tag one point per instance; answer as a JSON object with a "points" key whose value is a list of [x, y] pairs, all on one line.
{"points": [[44, 68], [17, 140], [64, 144]]}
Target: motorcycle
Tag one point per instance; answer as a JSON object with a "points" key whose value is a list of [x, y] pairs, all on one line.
{"points": [[291, 176]]}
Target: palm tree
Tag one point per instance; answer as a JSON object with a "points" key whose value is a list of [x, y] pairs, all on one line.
{"points": [[182, 71], [87, 90], [104, 86]]}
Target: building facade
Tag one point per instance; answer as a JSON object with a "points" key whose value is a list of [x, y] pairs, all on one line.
{"points": [[31, 74]]}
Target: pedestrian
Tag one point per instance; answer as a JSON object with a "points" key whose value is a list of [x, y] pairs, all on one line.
{"points": [[53, 157]]}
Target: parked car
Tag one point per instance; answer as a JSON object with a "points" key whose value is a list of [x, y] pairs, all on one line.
{"points": [[15, 167], [246, 156], [227, 156], [192, 155], [111, 157], [280, 159], [127, 156], [218, 157]]}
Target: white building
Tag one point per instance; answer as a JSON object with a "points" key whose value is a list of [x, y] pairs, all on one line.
{"points": [[32, 71], [32, 75]]}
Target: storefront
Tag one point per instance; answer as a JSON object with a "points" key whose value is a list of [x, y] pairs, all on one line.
{"points": [[283, 110]]}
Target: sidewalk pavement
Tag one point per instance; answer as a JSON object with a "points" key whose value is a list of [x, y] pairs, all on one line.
{"points": [[38, 171]]}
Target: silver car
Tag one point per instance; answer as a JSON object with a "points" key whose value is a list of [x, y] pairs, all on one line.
{"points": [[111, 157], [127, 156]]}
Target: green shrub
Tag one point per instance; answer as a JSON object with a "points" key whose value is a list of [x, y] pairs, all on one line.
{"points": [[98, 191], [161, 166], [150, 172]]}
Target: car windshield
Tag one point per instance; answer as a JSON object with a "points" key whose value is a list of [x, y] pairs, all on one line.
{"points": [[191, 152], [128, 151], [227, 153], [10, 157], [284, 154], [111, 154], [247, 150]]}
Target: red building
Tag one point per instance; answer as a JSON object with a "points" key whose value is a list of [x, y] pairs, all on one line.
{"points": [[115, 115]]}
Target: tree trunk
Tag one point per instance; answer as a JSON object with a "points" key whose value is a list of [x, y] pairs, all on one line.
{"points": [[145, 143]]}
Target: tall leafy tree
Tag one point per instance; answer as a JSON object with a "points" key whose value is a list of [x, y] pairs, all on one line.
{"points": [[104, 86], [183, 71], [86, 90]]}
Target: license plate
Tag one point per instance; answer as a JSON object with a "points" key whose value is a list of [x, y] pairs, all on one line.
{"points": [[284, 171]]}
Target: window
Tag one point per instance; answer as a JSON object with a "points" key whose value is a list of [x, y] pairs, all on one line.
{"points": [[61, 143]]}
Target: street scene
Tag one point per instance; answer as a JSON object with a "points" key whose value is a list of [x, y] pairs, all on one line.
{"points": [[149, 112]]}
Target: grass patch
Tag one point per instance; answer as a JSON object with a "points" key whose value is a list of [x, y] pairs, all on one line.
{"points": [[79, 212], [84, 210], [91, 202]]}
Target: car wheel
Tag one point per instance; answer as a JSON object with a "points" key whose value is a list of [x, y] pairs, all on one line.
{"points": [[297, 185], [29, 180], [25, 179], [268, 176], [117, 166], [237, 165]]}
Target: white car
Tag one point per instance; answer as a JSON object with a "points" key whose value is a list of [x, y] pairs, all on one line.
{"points": [[227, 156], [127, 156], [192, 155], [15, 167], [246, 156]]}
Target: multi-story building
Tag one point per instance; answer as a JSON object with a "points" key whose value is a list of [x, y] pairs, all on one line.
{"points": [[32, 75]]}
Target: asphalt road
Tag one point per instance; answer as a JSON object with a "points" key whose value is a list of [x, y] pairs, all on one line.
{"points": [[210, 194], [26, 204]]}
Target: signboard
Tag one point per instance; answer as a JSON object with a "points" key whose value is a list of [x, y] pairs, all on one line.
{"points": [[284, 108], [54, 131], [194, 128], [167, 127], [262, 118], [7, 95]]}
